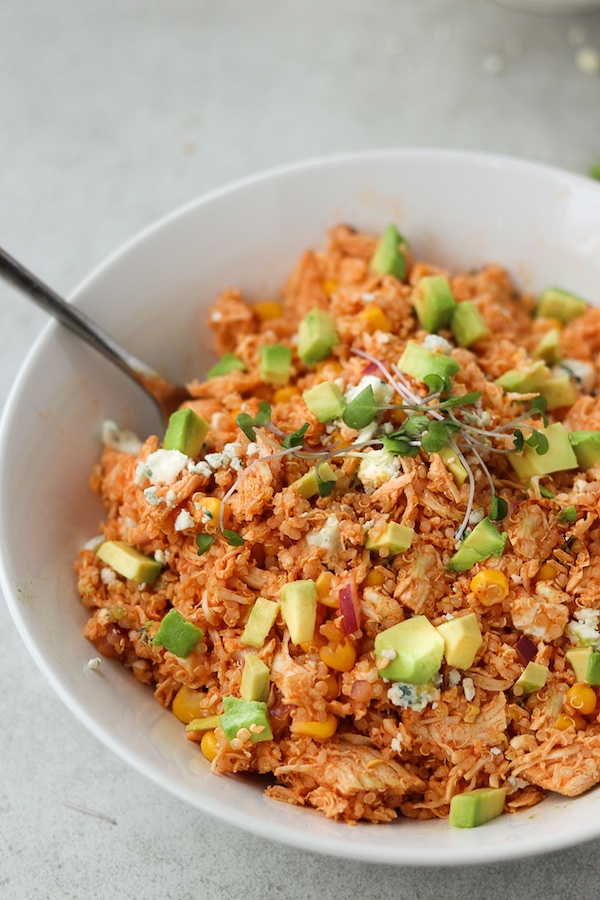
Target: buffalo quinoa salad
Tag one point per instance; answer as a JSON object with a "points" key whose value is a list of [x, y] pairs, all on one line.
{"points": [[363, 561]]}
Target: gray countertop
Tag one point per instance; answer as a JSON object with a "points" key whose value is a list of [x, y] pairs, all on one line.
{"points": [[113, 113]]}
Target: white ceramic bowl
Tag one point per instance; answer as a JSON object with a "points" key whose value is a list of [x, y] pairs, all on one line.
{"points": [[458, 209], [552, 7]]}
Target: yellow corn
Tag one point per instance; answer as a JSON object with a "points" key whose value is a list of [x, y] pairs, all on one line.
{"points": [[582, 698], [375, 578], [329, 286], [333, 687], [490, 586], [547, 571], [323, 586], [187, 704], [324, 729], [268, 309], [337, 440], [316, 642], [333, 367], [285, 394], [209, 745], [575, 721], [340, 657], [212, 506], [375, 319]]}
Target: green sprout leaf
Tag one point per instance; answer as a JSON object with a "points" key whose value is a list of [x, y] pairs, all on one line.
{"points": [[544, 492], [325, 487], [204, 542], [248, 423], [461, 400], [361, 411], [568, 514], [263, 416], [435, 437], [296, 439], [540, 404], [399, 445], [233, 538], [438, 384], [498, 508]]}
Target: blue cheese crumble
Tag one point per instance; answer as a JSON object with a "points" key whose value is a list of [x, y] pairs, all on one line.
{"points": [[376, 468], [584, 629], [414, 696]]}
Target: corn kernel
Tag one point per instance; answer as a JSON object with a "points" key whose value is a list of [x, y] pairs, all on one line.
{"points": [[316, 642], [209, 745], [340, 657], [338, 441], [285, 394], [333, 687], [268, 309], [490, 586], [323, 586], [324, 729], [582, 698], [187, 704], [575, 721], [375, 319], [547, 572], [375, 578], [212, 508], [329, 286], [333, 367]]}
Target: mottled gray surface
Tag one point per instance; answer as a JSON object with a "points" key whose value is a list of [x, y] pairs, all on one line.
{"points": [[111, 114]]}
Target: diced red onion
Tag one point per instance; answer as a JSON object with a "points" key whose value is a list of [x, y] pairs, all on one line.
{"points": [[371, 369], [525, 649], [349, 608]]}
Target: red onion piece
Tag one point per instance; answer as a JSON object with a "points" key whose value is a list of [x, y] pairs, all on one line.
{"points": [[525, 649], [371, 369], [349, 608]]}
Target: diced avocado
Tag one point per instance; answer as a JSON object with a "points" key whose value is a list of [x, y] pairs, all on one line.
{"points": [[558, 391], [476, 807], [129, 562], [527, 380], [251, 715], [586, 664], [299, 609], [389, 257], [178, 635], [532, 678], [307, 486], [275, 364], [462, 639], [316, 336], [259, 623], [453, 464], [325, 401], [206, 723], [556, 303], [419, 362], [186, 432], [393, 537], [484, 541], [467, 324], [548, 348], [586, 445], [559, 456], [434, 302], [228, 363], [256, 678], [410, 651]]}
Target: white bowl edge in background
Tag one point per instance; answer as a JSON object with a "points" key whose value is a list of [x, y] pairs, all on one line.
{"points": [[459, 209]]}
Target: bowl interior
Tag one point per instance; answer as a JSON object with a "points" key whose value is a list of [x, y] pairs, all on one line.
{"points": [[456, 209]]}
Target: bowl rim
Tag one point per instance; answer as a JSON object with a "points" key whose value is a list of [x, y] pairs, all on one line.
{"points": [[290, 836]]}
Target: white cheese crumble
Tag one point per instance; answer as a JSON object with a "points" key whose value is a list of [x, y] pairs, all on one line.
{"points": [[162, 467], [93, 543], [413, 696], [585, 631], [327, 537], [437, 344], [183, 521], [583, 372], [454, 677], [377, 467], [200, 468], [94, 663], [382, 391], [468, 689], [396, 743], [107, 575], [119, 438]]}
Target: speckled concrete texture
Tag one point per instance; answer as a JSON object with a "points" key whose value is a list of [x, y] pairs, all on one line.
{"points": [[111, 114]]}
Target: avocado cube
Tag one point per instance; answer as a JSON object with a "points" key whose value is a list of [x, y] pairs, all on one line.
{"points": [[206, 723], [259, 623], [462, 639], [453, 464], [556, 303], [586, 445], [389, 257], [410, 651], [326, 401], [419, 362], [129, 562], [251, 715], [186, 432], [275, 363], [558, 391], [434, 302], [228, 363], [178, 635], [532, 678], [476, 807], [316, 336], [484, 541], [558, 458], [307, 485], [299, 609], [393, 537], [586, 664], [548, 348], [527, 380], [467, 324], [256, 679]]}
